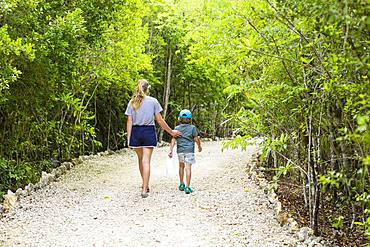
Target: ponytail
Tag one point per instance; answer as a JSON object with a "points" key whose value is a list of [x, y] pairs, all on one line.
{"points": [[141, 90]]}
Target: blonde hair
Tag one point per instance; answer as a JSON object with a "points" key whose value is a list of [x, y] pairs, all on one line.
{"points": [[141, 90]]}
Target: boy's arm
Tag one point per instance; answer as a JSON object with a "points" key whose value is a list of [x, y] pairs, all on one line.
{"points": [[172, 144], [197, 140]]}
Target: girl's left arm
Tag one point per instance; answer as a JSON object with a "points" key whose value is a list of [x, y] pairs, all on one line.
{"points": [[164, 126]]}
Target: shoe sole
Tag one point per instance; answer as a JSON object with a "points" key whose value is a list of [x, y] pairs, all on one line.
{"points": [[189, 191]]}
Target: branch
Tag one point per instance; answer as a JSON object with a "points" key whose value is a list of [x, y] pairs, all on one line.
{"points": [[275, 56], [276, 48], [291, 26], [300, 168]]}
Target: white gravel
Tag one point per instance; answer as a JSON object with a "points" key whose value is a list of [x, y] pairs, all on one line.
{"points": [[98, 203]]}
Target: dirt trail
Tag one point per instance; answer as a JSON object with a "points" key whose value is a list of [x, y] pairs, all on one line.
{"points": [[98, 203]]}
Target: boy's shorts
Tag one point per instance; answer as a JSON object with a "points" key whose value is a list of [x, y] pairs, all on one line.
{"points": [[186, 158], [143, 136]]}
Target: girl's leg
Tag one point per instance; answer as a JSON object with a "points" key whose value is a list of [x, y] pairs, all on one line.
{"points": [[139, 153], [181, 172], [147, 155], [188, 174]]}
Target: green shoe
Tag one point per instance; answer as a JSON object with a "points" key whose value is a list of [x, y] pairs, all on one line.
{"points": [[181, 187], [188, 190]]}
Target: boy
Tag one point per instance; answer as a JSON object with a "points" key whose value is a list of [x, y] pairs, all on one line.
{"points": [[185, 148]]}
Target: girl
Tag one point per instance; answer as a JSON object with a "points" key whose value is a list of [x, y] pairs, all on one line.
{"points": [[141, 135]]}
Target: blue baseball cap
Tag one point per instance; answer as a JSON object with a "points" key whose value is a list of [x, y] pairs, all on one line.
{"points": [[185, 114]]}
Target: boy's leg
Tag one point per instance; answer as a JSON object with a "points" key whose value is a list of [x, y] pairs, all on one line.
{"points": [[190, 159], [181, 176], [181, 172], [187, 188], [188, 174]]}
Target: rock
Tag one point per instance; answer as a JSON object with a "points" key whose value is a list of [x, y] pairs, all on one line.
{"points": [[253, 175], [24, 193], [263, 183], [272, 198], [18, 192], [309, 240], [38, 186], [304, 233], [46, 179], [83, 158], [278, 208], [315, 243], [63, 169], [121, 151], [293, 226], [67, 165], [282, 218], [77, 161], [29, 188], [56, 173], [10, 200]]}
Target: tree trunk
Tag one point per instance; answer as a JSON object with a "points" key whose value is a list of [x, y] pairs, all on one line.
{"points": [[312, 171], [166, 93], [109, 119]]}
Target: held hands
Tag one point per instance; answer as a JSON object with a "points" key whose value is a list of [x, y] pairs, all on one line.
{"points": [[170, 154], [175, 133], [200, 149]]}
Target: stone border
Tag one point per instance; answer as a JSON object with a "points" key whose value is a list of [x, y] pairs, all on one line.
{"points": [[304, 234], [11, 198]]}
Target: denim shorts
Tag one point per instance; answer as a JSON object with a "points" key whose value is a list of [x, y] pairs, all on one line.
{"points": [[143, 136], [186, 158]]}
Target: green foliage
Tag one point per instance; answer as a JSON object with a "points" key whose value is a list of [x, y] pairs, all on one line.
{"points": [[294, 74], [332, 178], [10, 50], [308, 96], [15, 175], [337, 222], [67, 70]]}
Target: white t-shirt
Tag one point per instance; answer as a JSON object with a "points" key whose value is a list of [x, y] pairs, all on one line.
{"points": [[145, 114]]}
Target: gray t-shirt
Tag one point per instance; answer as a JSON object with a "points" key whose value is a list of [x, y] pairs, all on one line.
{"points": [[145, 114], [185, 143]]}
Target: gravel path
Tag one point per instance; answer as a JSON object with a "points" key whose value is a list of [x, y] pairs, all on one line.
{"points": [[98, 203]]}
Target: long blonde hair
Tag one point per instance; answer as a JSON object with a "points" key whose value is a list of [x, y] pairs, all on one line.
{"points": [[141, 90]]}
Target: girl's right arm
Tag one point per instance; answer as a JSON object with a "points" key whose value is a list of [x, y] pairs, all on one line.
{"points": [[129, 129]]}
